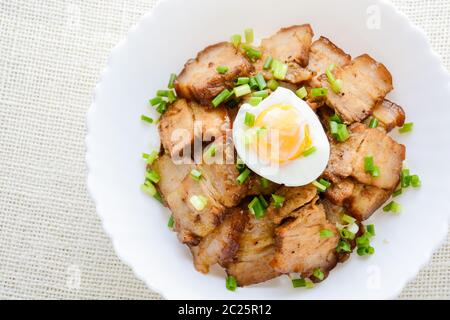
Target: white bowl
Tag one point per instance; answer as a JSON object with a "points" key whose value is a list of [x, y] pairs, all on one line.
{"points": [[175, 31]]}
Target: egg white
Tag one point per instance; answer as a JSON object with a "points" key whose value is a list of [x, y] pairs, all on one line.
{"points": [[297, 172]]}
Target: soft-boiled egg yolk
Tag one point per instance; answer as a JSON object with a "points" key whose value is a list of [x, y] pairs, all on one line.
{"points": [[284, 130]]}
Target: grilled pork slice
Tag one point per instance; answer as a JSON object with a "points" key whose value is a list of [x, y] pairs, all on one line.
{"points": [[365, 82], [172, 175], [299, 246], [291, 46], [185, 121], [200, 80], [348, 158], [256, 250], [221, 245], [333, 212], [324, 53], [220, 174], [191, 223], [358, 200], [389, 114], [294, 198], [365, 200]]}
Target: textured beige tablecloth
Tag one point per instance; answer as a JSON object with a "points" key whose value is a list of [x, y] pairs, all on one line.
{"points": [[51, 55]]}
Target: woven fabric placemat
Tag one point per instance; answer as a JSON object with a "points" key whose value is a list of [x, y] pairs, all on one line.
{"points": [[52, 245]]}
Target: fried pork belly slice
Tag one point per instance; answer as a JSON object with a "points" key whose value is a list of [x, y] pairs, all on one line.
{"points": [[251, 264], [200, 80], [299, 246], [388, 155], [294, 198], [291, 46], [333, 212], [365, 200], [324, 53], [348, 158], [339, 192], [221, 245], [176, 128], [220, 175], [172, 175], [192, 224], [185, 121], [389, 114], [359, 200], [365, 82]]}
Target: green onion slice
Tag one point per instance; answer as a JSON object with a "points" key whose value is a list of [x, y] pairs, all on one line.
{"points": [[155, 101], [196, 174], [256, 208], [242, 80], [392, 207], [318, 274], [198, 202], [249, 119], [231, 283], [221, 97], [152, 176], [222, 69], [171, 222], [272, 84], [264, 183], [407, 127], [146, 119], [261, 81], [249, 35], [149, 189], [319, 92], [302, 93], [415, 181], [242, 90], [278, 200], [150, 157], [373, 123], [172, 79], [236, 40], [243, 176], [268, 63], [325, 233], [254, 101]]}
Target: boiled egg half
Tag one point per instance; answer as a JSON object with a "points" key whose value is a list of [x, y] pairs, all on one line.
{"points": [[282, 139]]}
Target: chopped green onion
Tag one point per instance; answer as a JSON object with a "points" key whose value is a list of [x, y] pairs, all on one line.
{"points": [[371, 229], [263, 94], [222, 69], [153, 176], [309, 284], [242, 90], [243, 176], [376, 172], [320, 187], [158, 197], [221, 97], [346, 234], [273, 84], [149, 189], [336, 85], [251, 52], [211, 151], [155, 101], [392, 207], [325, 233], [369, 164], [236, 40], [415, 181], [373, 123], [298, 283], [405, 178], [240, 165], [172, 96], [263, 201], [407, 127], [336, 118], [261, 81], [342, 132], [171, 222], [302, 93], [146, 119], [198, 202], [309, 151], [325, 183], [162, 93], [279, 69], [348, 219], [278, 201], [172, 79], [343, 246], [249, 119], [196, 174], [268, 63], [264, 183], [231, 283], [363, 251], [252, 83], [397, 192], [318, 274], [254, 101], [162, 107], [242, 80], [256, 208], [150, 157], [319, 92], [249, 35], [334, 128]]}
